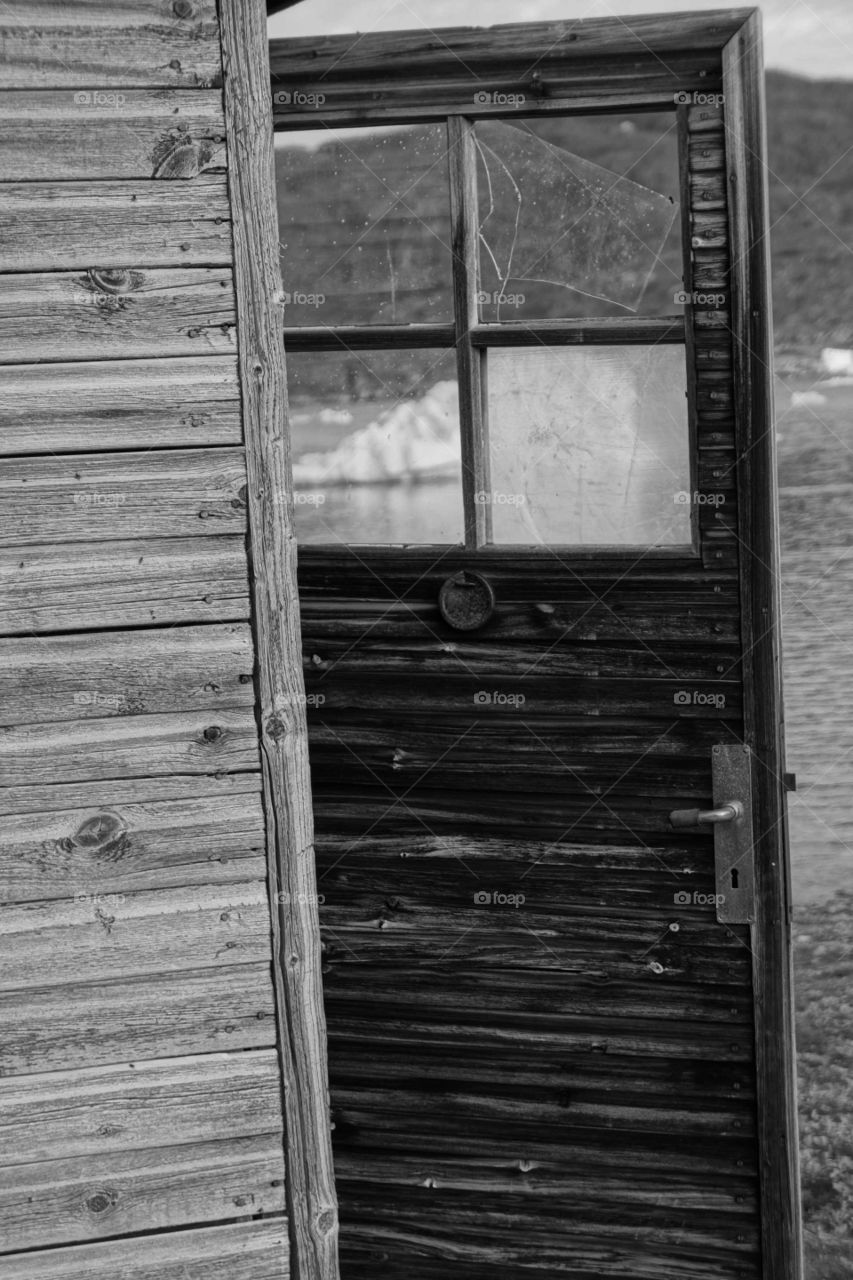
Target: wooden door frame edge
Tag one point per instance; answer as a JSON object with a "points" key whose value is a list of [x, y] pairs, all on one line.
{"points": [[752, 341], [280, 699]]}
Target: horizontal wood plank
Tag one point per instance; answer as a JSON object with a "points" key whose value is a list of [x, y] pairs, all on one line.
{"points": [[110, 133], [56, 226], [130, 746], [122, 837], [92, 936], [141, 1104], [81, 585], [75, 43], [119, 404], [160, 1016], [104, 314], [55, 1202], [240, 1251], [99, 497], [123, 673]]}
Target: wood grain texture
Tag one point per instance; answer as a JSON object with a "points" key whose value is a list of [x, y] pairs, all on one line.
{"points": [[125, 673], [752, 338], [122, 837], [242, 1251], [130, 747], [80, 585], [77, 43], [149, 1190], [100, 497], [105, 314], [311, 1200], [62, 1028], [142, 1104], [96, 936], [109, 133], [119, 404], [56, 226]]}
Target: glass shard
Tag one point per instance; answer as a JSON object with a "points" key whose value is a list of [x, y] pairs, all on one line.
{"points": [[551, 218]]}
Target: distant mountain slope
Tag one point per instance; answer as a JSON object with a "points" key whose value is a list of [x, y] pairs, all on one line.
{"points": [[333, 199]]}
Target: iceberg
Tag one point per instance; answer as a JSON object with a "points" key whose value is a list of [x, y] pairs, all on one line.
{"points": [[416, 440]]}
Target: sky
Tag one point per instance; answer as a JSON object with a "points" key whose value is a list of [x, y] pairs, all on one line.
{"points": [[810, 37]]}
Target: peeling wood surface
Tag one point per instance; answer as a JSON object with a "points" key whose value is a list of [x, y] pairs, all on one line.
{"points": [[77, 43], [242, 1251], [102, 313], [119, 404], [110, 133], [59, 226], [66, 585], [100, 497], [148, 1190]]}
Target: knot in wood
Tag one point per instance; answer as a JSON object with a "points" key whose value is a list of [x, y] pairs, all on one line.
{"points": [[114, 280], [102, 1200], [212, 732], [182, 9]]}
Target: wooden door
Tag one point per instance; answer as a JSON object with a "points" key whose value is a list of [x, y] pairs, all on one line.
{"points": [[528, 357]]}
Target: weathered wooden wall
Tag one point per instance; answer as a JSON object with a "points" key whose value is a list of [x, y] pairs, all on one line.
{"points": [[141, 1081]]}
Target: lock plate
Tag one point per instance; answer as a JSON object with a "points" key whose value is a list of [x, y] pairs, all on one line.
{"points": [[733, 841]]}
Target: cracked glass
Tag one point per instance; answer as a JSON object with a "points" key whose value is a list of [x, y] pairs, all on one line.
{"points": [[563, 237], [364, 225], [588, 446]]}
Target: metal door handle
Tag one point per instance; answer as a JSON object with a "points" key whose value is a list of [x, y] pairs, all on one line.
{"points": [[730, 811]]}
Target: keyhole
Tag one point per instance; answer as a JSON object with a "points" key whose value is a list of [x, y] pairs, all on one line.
{"points": [[734, 875]]}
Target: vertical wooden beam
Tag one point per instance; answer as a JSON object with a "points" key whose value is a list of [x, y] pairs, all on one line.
{"points": [[752, 326], [310, 1190], [464, 240]]}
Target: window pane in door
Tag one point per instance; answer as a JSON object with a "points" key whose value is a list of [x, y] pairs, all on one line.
{"points": [[578, 216], [376, 452], [364, 225], [588, 446]]}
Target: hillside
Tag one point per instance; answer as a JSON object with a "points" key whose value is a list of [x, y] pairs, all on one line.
{"points": [[367, 260]]}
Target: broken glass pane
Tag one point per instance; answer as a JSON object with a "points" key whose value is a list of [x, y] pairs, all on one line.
{"points": [[589, 446], [375, 447], [364, 225], [561, 236]]}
